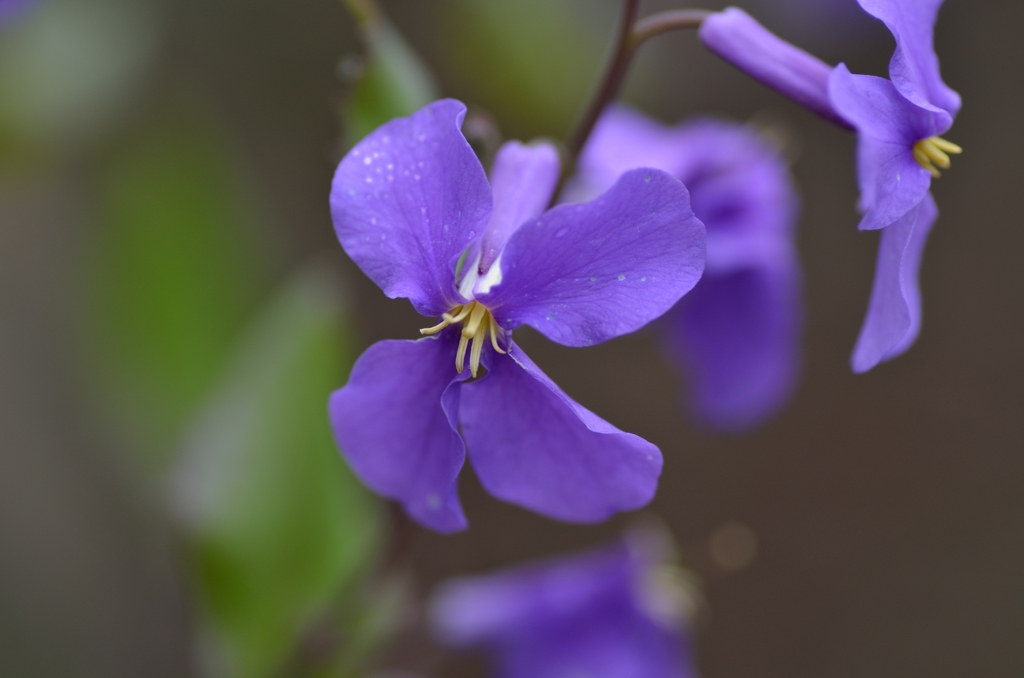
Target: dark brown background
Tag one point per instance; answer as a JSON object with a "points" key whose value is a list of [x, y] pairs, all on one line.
{"points": [[888, 507]]}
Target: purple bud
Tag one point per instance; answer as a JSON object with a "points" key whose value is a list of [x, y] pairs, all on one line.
{"points": [[736, 37]]}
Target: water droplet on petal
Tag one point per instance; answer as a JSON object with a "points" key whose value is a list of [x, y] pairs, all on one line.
{"points": [[367, 160], [561, 232], [593, 278], [621, 278]]}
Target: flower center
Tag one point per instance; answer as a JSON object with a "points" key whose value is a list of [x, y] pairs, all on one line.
{"points": [[932, 153], [478, 324]]}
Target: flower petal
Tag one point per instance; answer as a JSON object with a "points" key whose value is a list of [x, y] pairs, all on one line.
{"points": [[582, 274], [735, 36], [891, 181], [523, 179], [914, 68], [738, 336], [623, 139], [395, 422], [579, 616], [486, 609], [894, 314], [408, 200], [532, 445]]}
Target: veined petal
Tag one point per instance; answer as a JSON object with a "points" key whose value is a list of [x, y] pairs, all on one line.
{"points": [[914, 68], [888, 125], [581, 274], [532, 445], [396, 424], [894, 314], [735, 36], [523, 179], [408, 200], [738, 336]]}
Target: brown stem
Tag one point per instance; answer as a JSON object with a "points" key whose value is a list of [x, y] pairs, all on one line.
{"points": [[612, 81], [632, 34], [663, 22]]}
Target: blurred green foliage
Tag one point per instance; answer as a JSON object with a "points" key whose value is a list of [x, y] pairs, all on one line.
{"points": [[532, 63], [175, 270], [67, 69], [392, 80], [280, 525]]}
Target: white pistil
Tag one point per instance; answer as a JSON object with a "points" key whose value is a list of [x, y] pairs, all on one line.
{"points": [[932, 153], [479, 324]]}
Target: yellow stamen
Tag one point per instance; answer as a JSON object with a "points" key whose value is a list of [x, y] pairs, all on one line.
{"points": [[494, 336], [460, 356], [474, 355], [475, 318], [479, 323], [923, 161], [935, 154], [447, 319], [462, 312], [947, 146], [931, 153]]}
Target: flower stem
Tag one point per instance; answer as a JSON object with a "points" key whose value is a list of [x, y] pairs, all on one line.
{"points": [[663, 22], [632, 34], [614, 74]]}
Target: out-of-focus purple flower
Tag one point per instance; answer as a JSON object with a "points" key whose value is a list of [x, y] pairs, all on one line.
{"points": [[898, 122], [738, 333], [413, 208], [611, 613]]}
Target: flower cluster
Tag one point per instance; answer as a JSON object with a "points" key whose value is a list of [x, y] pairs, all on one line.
{"points": [[418, 213], [691, 225], [898, 123]]}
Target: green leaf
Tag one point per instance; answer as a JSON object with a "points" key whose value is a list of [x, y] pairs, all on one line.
{"points": [[280, 524], [174, 272], [393, 83]]}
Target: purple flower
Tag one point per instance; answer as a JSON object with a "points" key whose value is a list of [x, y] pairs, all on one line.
{"points": [[413, 208], [738, 332], [898, 122], [611, 613]]}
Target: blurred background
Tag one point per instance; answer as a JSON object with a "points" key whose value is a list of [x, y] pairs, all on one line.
{"points": [[175, 310]]}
